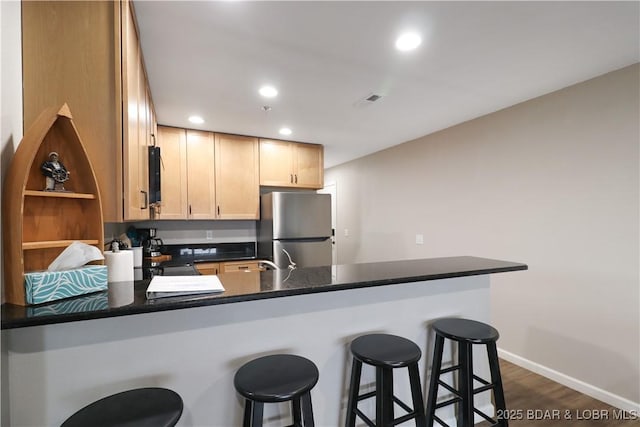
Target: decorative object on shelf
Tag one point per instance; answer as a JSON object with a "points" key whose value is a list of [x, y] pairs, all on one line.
{"points": [[38, 225], [55, 173]]}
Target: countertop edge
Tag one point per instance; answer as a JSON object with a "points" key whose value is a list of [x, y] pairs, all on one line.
{"points": [[203, 301]]}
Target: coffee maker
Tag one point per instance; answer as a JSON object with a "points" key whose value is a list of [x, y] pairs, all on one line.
{"points": [[150, 243]]}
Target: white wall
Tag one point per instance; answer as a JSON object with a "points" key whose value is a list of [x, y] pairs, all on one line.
{"points": [[552, 182], [10, 85], [10, 132]]}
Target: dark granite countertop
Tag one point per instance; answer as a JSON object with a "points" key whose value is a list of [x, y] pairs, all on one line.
{"points": [[128, 298]]}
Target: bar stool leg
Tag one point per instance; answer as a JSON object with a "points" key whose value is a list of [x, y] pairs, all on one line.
{"points": [[416, 395], [433, 381], [297, 413], [252, 413], [307, 410], [246, 420], [354, 389], [384, 397], [496, 379], [465, 409]]}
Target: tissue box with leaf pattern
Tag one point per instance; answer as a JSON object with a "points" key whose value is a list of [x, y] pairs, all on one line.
{"points": [[44, 286]]}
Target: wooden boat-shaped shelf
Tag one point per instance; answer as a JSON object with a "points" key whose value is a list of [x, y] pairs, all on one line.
{"points": [[38, 225]]}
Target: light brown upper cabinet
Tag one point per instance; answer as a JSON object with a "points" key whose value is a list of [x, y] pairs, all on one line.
{"points": [[173, 172], [206, 176], [188, 174], [98, 70], [138, 127], [237, 177], [201, 175], [291, 164]]}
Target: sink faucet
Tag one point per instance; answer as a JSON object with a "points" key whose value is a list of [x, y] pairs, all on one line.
{"points": [[292, 265], [270, 264]]}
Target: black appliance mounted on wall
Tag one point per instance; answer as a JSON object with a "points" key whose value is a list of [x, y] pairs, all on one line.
{"points": [[154, 175]]}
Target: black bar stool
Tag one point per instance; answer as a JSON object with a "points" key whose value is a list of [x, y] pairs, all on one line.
{"points": [[465, 333], [142, 407], [277, 378], [385, 352]]}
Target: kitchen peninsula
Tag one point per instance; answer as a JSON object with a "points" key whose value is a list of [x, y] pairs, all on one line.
{"points": [[67, 354]]}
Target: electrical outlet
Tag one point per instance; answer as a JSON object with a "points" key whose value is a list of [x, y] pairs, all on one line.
{"points": [[419, 239], [209, 234], [346, 232]]}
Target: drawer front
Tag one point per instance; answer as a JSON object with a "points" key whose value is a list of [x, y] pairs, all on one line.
{"points": [[239, 266], [208, 268]]}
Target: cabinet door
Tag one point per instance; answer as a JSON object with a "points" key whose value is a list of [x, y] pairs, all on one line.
{"points": [[135, 198], [237, 177], [276, 163], [309, 166], [201, 176], [173, 172], [144, 135]]}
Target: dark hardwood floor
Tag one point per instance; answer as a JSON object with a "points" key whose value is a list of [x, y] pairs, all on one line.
{"points": [[533, 400]]}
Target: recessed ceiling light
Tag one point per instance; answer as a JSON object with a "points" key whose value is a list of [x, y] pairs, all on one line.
{"points": [[196, 120], [408, 41], [268, 91], [285, 131]]}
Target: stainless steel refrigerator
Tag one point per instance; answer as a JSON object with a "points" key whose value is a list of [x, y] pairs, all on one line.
{"points": [[297, 223]]}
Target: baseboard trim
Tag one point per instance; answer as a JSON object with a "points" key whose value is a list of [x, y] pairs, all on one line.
{"points": [[573, 383]]}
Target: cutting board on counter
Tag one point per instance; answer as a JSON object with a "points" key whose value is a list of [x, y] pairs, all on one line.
{"points": [[159, 258]]}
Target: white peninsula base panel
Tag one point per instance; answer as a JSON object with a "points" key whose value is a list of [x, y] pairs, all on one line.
{"points": [[54, 370]]}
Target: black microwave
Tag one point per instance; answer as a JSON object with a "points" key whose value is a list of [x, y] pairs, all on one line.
{"points": [[154, 175]]}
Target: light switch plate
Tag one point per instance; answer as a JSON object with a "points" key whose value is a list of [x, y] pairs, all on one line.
{"points": [[419, 239]]}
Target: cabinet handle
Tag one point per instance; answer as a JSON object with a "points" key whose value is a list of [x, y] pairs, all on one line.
{"points": [[218, 210], [291, 178], [189, 210], [146, 199], [296, 175]]}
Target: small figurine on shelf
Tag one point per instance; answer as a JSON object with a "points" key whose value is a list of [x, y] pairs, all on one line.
{"points": [[55, 172]]}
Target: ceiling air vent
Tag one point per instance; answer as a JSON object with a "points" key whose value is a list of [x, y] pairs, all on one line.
{"points": [[367, 100]]}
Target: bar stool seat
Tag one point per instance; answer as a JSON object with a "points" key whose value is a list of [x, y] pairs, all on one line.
{"points": [[277, 378], [385, 352], [143, 407], [466, 333]]}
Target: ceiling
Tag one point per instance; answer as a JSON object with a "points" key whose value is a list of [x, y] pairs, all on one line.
{"points": [[210, 58]]}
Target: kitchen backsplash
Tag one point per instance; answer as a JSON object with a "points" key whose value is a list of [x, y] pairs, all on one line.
{"points": [[179, 232]]}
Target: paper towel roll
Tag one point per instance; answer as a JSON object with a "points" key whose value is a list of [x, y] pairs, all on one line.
{"points": [[120, 266], [137, 256]]}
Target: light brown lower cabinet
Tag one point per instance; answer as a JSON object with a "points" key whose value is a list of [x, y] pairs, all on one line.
{"points": [[208, 268], [239, 266], [228, 267]]}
